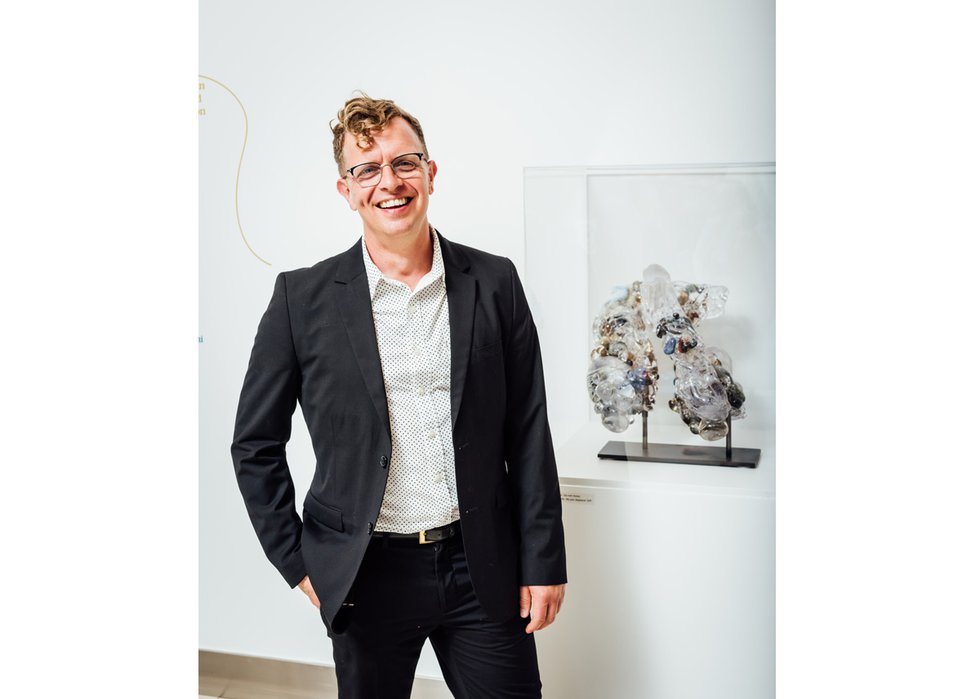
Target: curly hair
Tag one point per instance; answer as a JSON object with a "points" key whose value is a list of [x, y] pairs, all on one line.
{"points": [[362, 117]]}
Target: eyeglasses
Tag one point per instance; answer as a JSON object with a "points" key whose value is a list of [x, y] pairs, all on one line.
{"points": [[405, 166]]}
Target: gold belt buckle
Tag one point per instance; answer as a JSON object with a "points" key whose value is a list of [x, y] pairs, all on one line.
{"points": [[422, 539]]}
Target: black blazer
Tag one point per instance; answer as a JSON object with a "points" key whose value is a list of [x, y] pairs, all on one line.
{"points": [[316, 345]]}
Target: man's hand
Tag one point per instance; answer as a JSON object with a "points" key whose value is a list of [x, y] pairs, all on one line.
{"points": [[306, 587], [542, 603]]}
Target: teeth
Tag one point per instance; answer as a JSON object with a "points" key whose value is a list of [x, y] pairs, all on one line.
{"points": [[393, 202]]}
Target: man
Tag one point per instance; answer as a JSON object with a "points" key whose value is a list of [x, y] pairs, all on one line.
{"points": [[434, 511]]}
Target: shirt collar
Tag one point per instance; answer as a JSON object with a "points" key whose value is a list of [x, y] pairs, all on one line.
{"points": [[375, 275]]}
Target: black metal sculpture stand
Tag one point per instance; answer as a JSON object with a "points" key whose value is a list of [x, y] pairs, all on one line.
{"points": [[734, 457]]}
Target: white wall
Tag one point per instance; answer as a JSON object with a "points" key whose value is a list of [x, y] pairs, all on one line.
{"points": [[497, 88]]}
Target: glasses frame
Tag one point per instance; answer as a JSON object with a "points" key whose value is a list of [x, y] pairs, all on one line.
{"points": [[349, 172]]}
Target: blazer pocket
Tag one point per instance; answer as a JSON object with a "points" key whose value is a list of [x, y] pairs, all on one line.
{"points": [[326, 515], [502, 496], [488, 351]]}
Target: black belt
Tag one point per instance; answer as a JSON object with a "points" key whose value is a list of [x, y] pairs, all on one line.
{"points": [[426, 536]]}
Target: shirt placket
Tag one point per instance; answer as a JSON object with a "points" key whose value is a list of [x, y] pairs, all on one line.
{"points": [[425, 363]]}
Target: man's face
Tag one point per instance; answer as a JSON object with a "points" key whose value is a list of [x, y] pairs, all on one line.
{"points": [[407, 201]]}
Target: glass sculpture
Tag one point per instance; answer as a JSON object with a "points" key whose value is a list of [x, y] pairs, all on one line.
{"points": [[623, 372], [622, 376]]}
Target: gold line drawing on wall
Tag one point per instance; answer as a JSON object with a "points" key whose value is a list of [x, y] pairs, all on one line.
{"points": [[238, 172]]}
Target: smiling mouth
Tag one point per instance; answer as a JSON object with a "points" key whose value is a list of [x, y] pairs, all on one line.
{"points": [[394, 203]]}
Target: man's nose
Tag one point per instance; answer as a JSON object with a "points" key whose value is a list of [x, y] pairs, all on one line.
{"points": [[389, 179]]}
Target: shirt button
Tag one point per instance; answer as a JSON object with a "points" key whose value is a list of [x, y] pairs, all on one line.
{"points": [[432, 434], [439, 478], [421, 391]]}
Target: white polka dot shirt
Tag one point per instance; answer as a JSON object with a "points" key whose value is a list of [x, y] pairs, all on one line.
{"points": [[412, 329]]}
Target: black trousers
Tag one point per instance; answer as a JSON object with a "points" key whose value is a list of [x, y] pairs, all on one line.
{"points": [[406, 592]]}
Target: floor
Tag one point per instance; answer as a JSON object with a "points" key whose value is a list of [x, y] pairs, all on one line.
{"points": [[228, 676], [424, 689]]}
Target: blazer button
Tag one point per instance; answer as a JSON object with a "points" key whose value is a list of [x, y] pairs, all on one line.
{"points": [[384, 461]]}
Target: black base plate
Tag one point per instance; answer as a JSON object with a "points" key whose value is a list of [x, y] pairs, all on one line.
{"points": [[680, 454]]}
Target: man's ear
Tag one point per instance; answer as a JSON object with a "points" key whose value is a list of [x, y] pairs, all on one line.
{"points": [[432, 175], [344, 191]]}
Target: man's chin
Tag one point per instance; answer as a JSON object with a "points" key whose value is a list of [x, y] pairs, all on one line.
{"points": [[396, 231]]}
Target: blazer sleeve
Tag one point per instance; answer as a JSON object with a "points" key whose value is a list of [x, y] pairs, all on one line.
{"points": [[262, 428], [529, 452]]}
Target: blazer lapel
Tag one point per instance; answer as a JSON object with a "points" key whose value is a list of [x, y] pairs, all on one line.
{"points": [[461, 292], [355, 308]]}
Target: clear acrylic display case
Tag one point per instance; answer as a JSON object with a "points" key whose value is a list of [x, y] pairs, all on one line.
{"points": [[588, 229]]}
